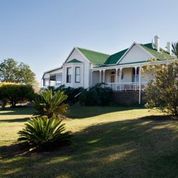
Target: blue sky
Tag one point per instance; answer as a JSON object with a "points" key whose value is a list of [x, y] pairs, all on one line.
{"points": [[42, 33]]}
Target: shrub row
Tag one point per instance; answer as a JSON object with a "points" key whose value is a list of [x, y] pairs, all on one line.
{"points": [[13, 93], [99, 95]]}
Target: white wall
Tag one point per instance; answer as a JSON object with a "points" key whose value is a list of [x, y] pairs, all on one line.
{"points": [[84, 70], [95, 78], [127, 75], [136, 54]]}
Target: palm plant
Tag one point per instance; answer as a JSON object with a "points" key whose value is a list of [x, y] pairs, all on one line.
{"points": [[175, 48], [43, 133], [50, 103]]}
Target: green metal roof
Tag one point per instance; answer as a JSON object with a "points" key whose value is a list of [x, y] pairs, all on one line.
{"points": [[113, 59], [162, 55], [104, 59], [94, 56], [74, 61]]}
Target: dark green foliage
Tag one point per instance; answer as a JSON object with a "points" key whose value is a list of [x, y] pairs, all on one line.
{"points": [[49, 103], [163, 91], [175, 48], [72, 93], [43, 134], [13, 93], [99, 95]]}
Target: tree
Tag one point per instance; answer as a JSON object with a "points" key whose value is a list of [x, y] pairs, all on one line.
{"points": [[9, 70], [25, 74], [12, 71], [162, 92], [50, 103], [13, 93], [175, 48]]}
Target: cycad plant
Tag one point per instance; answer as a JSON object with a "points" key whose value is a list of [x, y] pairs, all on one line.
{"points": [[50, 103], [44, 134], [175, 48]]}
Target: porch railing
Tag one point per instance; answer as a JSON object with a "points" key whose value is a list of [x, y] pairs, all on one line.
{"points": [[126, 86]]}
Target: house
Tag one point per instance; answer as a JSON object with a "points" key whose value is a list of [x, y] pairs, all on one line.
{"points": [[121, 71]]}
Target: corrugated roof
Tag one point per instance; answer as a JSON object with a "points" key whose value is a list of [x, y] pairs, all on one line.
{"points": [[162, 55], [95, 57], [113, 59]]}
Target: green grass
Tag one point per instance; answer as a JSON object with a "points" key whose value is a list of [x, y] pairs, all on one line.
{"points": [[107, 142]]}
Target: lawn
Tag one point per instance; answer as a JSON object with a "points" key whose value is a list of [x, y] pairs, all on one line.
{"points": [[107, 142]]}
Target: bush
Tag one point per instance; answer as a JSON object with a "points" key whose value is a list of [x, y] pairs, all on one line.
{"points": [[49, 103], [14, 93], [162, 92], [42, 133], [99, 95], [72, 93]]}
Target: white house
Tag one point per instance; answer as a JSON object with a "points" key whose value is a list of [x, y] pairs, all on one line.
{"points": [[121, 71]]}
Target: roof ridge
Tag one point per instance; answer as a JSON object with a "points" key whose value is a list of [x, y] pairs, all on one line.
{"points": [[154, 48], [115, 57], [93, 51]]}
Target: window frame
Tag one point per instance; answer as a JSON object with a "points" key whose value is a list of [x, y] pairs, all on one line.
{"points": [[77, 75], [68, 76]]}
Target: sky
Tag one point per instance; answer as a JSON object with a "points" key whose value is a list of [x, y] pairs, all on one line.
{"points": [[42, 33]]}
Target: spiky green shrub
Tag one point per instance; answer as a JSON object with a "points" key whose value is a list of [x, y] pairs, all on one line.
{"points": [[98, 95], [72, 93], [49, 103], [44, 134]]}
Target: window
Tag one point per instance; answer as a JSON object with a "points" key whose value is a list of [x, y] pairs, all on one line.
{"points": [[135, 74], [69, 74], [122, 75], [53, 77], [112, 78], [77, 74]]}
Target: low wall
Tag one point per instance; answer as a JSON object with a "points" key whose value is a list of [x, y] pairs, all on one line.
{"points": [[128, 97]]}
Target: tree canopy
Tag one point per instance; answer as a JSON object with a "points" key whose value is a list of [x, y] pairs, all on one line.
{"points": [[12, 71], [162, 92]]}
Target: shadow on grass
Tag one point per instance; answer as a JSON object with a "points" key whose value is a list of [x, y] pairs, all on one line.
{"points": [[146, 147], [20, 110], [15, 120], [91, 111]]}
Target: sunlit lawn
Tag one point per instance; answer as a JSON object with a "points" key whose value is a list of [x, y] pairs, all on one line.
{"points": [[107, 142]]}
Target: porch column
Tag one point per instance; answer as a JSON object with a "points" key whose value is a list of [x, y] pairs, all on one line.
{"points": [[120, 77], [135, 77], [140, 85], [91, 78], [104, 76], [116, 80], [100, 76], [49, 82]]}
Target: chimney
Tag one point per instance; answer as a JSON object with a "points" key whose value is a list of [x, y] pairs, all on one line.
{"points": [[168, 46], [157, 43]]}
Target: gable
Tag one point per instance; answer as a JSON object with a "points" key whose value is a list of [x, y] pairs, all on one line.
{"points": [[76, 57], [136, 54]]}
